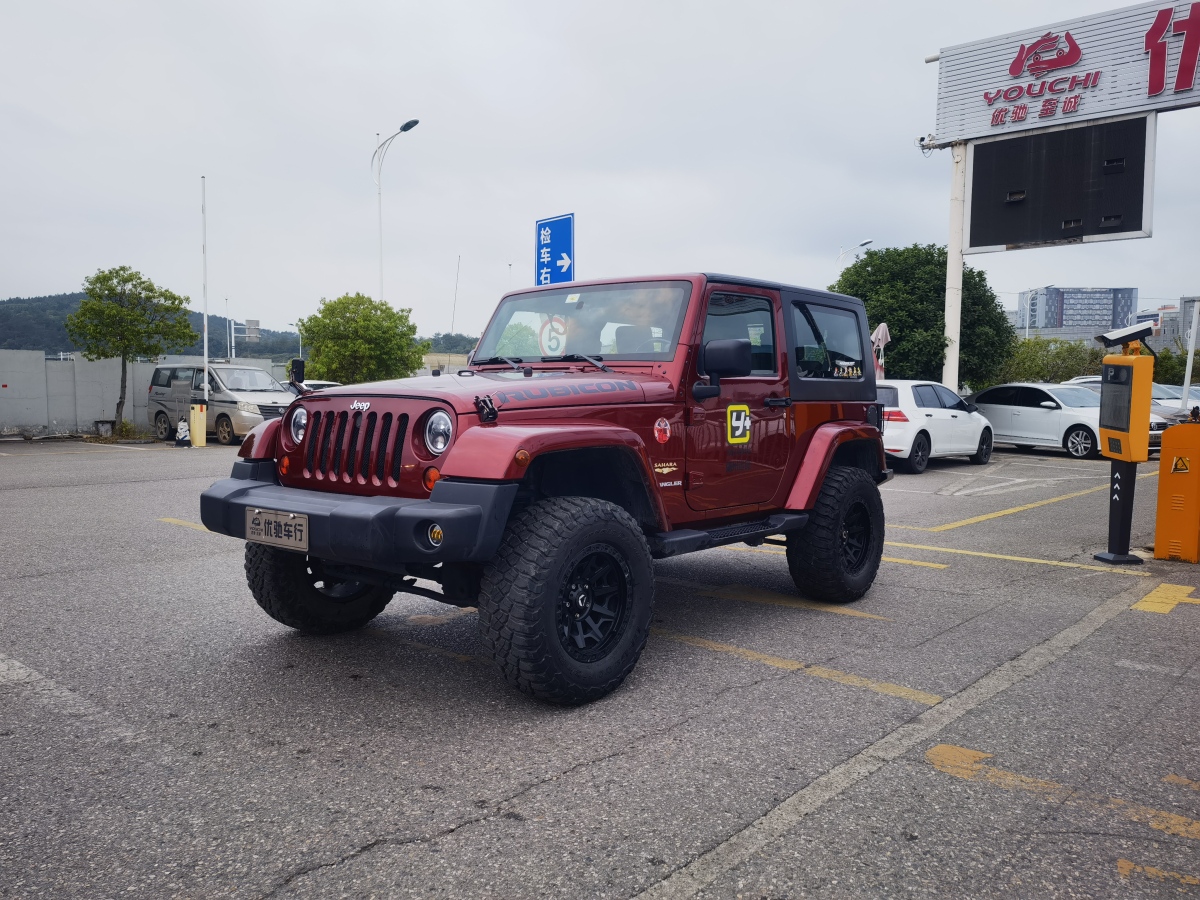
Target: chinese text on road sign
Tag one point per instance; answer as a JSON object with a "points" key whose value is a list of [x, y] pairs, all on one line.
{"points": [[554, 250]]}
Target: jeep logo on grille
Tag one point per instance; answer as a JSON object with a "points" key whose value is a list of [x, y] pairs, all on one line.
{"points": [[360, 404]]}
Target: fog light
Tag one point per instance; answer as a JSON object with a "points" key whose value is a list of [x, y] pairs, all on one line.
{"points": [[435, 535]]}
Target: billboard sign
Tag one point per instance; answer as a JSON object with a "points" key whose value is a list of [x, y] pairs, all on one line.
{"points": [[554, 250], [1134, 60]]}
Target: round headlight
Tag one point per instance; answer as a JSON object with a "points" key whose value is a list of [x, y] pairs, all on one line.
{"points": [[438, 431], [299, 423]]}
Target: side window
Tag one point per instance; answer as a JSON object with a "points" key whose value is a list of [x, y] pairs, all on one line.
{"points": [[183, 374], [926, 396], [1032, 397], [733, 317], [1001, 396], [198, 380], [949, 399], [161, 378], [828, 342]]}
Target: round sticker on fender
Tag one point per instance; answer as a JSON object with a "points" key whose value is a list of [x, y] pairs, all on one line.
{"points": [[662, 431], [737, 423]]}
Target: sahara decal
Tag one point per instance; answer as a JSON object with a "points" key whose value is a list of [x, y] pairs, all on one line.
{"points": [[737, 423], [564, 390], [665, 468]]}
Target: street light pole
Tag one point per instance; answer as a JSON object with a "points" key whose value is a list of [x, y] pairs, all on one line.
{"points": [[296, 325], [857, 246], [381, 150]]}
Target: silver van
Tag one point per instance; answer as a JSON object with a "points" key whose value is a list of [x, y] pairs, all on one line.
{"points": [[239, 397]]}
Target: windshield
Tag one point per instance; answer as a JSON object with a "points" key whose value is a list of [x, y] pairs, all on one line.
{"points": [[248, 380], [613, 321], [1073, 396], [1166, 392]]}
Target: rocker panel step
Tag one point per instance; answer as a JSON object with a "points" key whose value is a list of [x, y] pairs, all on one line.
{"points": [[688, 540]]}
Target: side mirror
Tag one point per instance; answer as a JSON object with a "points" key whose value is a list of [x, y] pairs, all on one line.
{"points": [[971, 407], [721, 359], [296, 371], [1048, 404]]}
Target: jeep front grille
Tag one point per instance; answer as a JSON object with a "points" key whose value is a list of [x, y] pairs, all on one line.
{"points": [[362, 448]]}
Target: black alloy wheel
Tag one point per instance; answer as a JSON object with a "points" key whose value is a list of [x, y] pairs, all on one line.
{"points": [[856, 537], [983, 455], [594, 607], [918, 457]]}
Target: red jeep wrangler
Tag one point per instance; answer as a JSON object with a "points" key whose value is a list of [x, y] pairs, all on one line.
{"points": [[597, 427]]}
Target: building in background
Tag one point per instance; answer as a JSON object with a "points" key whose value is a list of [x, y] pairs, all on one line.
{"points": [[1053, 308], [1174, 322]]}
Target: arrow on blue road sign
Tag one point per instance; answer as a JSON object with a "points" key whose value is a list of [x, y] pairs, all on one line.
{"points": [[554, 250]]}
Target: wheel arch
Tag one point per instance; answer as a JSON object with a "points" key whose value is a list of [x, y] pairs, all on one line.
{"points": [[603, 473], [834, 443]]}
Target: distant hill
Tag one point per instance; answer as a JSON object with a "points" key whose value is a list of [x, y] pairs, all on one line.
{"points": [[36, 323]]}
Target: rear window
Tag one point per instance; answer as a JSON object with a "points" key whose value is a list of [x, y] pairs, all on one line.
{"points": [[828, 342], [888, 396]]}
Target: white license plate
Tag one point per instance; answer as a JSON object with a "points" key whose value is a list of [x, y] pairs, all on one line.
{"points": [[279, 529]]}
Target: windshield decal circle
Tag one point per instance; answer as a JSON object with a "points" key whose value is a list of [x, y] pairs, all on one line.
{"points": [[552, 337]]}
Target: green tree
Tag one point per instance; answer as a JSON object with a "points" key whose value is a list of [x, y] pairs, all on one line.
{"points": [[518, 339], [354, 339], [124, 314], [906, 287], [1170, 366], [1042, 359]]}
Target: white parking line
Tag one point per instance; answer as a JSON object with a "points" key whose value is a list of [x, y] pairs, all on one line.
{"points": [[36, 687], [755, 837]]}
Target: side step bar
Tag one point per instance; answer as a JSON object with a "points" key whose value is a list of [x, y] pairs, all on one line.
{"points": [[688, 540]]}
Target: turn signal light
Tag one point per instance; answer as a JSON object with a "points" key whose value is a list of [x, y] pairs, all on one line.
{"points": [[283, 465], [894, 415], [430, 478], [522, 458]]}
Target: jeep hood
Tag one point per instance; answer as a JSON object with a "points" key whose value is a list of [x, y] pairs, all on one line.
{"points": [[512, 390]]}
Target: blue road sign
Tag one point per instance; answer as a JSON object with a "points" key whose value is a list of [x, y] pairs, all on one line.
{"points": [[554, 250]]}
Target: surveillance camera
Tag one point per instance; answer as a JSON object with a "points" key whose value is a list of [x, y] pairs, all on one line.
{"points": [[1126, 335]]}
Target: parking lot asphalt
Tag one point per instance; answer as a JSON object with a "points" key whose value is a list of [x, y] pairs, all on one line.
{"points": [[1000, 716]]}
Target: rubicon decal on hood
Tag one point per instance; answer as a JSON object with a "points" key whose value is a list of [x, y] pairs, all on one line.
{"points": [[564, 390]]}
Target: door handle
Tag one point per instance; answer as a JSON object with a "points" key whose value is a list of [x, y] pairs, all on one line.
{"points": [[778, 401], [953, 416], [929, 415]]}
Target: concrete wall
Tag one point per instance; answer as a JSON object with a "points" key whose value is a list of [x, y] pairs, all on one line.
{"points": [[53, 396]]}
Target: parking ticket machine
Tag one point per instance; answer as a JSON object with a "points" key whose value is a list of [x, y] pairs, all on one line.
{"points": [[1125, 395]]}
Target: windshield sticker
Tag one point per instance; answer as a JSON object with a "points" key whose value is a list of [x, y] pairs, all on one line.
{"points": [[553, 336], [572, 298], [566, 390], [737, 423]]}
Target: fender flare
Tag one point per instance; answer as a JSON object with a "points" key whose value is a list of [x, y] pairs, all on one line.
{"points": [[819, 457], [261, 442], [488, 452]]}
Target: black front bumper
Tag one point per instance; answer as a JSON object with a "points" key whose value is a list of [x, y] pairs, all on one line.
{"points": [[376, 532]]}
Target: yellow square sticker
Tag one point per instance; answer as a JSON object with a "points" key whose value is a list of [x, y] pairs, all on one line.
{"points": [[737, 423]]}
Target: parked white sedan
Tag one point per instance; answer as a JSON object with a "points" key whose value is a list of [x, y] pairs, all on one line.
{"points": [[1048, 415], [925, 419]]}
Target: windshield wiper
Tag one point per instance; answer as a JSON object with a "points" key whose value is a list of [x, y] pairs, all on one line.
{"points": [[579, 357], [492, 360]]}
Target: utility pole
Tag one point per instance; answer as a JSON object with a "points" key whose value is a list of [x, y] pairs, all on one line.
{"points": [[954, 266], [454, 307], [204, 256]]}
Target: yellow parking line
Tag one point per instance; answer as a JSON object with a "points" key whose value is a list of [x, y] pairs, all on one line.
{"points": [[1027, 506], [186, 524], [1179, 779], [792, 665], [891, 559], [1113, 570], [756, 595], [961, 762], [1125, 868], [1165, 598]]}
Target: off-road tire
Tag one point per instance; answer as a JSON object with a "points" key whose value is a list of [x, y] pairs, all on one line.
{"points": [[162, 427], [820, 555], [523, 598], [284, 584], [983, 455], [1080, 443], [225, 434], [918, 456]]}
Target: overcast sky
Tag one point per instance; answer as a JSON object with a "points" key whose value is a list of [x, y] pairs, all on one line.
{"points": [[751, 138]]}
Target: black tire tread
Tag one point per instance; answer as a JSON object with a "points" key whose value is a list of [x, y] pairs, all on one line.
{"points": [[513, 585], [278, 581], [977, 457], [814, 552], [909, 466]]}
